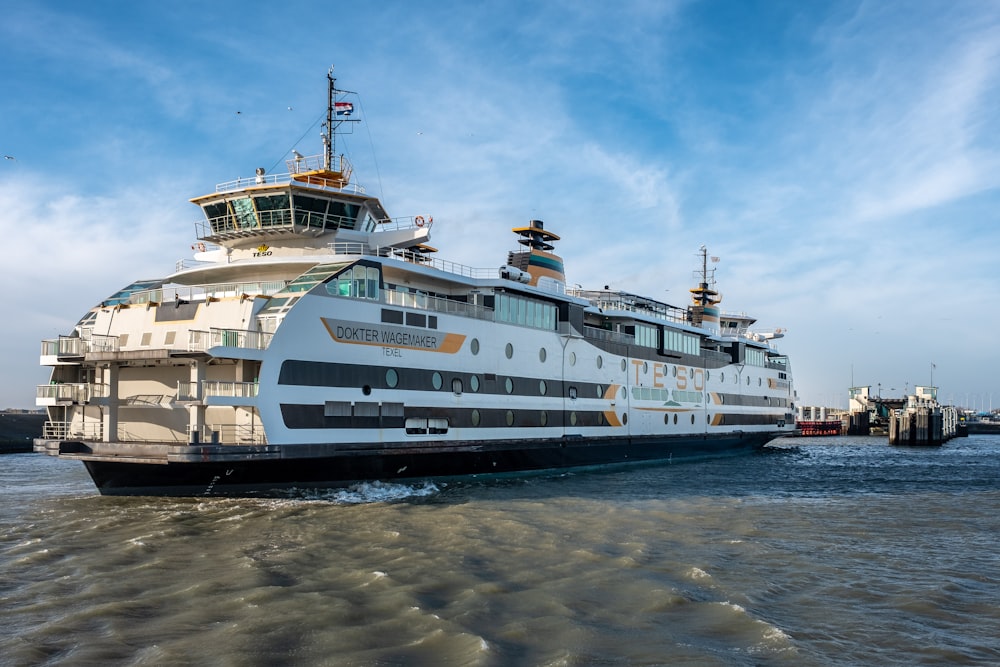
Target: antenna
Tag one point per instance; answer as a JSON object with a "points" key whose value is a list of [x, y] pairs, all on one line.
{"points": [[333, 110], [329, 139]]}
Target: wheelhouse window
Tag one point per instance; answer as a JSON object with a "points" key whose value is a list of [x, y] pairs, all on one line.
{"points": [[274, 210]]}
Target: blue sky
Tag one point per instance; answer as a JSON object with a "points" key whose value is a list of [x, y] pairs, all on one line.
{"points": [[842, 158]]}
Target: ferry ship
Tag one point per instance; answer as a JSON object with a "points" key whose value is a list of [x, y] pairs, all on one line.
{"points": [[314, 341]]}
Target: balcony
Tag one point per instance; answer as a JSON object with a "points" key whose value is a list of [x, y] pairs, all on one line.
{"points": [[68, 393], [202, 341], [217, 392]]}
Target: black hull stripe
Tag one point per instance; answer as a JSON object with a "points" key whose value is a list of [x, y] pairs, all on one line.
{"points": [[241, 478], [297, 416]]}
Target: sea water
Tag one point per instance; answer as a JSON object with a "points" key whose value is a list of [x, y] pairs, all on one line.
{"points": [[818, 551]]}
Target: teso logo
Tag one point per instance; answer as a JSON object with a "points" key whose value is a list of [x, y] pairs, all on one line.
{"points": [[263, 250]]}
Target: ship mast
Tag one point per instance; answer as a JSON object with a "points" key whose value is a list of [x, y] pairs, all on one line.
{"points": [[329, 138], [328, 169], [705, 294]]}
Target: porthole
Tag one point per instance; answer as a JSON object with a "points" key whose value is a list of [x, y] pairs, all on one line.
{"points": [[543, 418], [542, 388], [722, 398], [366, 390], [624, 419], [674, 370], [510, 418], [572, 419], [760, 382], [600, 391], [508, 384], [708, 375], [624, 364], [675, 418], [474, 346], [474, 383], [666, 419], [645, 367], [391, 378], [748, 380], [475, 417], [692, 419], [437, 380], [600, 361], [708, 419], [572, 358], [542, 355], [509, 351], [722, 377], [623, 393]]}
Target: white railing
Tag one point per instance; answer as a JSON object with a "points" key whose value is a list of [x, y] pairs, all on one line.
{"points": [[229, 389], [64, 346], [617, 301], [73, 392], [414, 258], [72, 431], [187, 391], [437, 304], [233, 434], [180, 294], [199, 340], [71, 346]]}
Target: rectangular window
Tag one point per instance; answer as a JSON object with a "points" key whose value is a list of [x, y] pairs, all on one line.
{"points": [[392, 316], [358, 286], [372, 288], [246, 217]]}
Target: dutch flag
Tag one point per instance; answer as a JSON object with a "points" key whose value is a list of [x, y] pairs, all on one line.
{"points": [[343, 108]]}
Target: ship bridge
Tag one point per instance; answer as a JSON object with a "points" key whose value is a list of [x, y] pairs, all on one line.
{"points": [[284, 206]]}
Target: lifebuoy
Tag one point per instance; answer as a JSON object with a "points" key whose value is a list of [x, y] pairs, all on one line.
{"points": [[419, 220]]}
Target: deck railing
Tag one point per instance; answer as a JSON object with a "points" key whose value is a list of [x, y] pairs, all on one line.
{"points": [[229, 389], [437, 304], [90, 430], [200, 340], [71, 392]]}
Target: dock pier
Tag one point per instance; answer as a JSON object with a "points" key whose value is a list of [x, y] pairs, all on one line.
{"points": [[923, 426], [916, 420]]}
